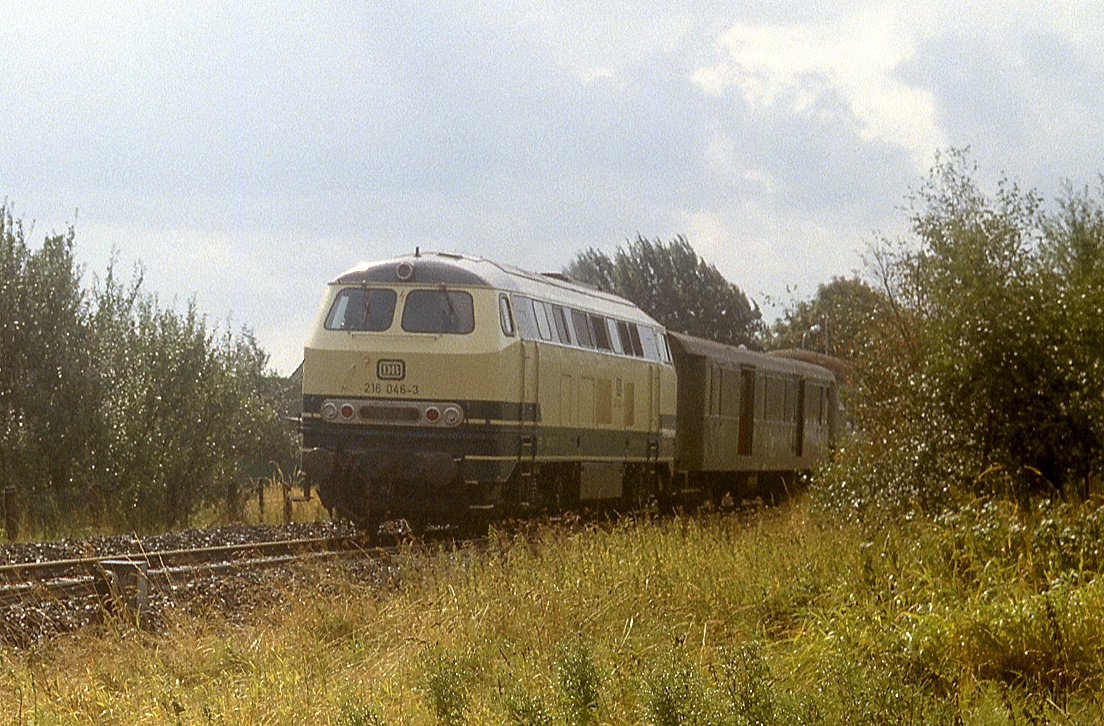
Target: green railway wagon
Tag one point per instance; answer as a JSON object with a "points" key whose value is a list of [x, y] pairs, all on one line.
{"points": [[747, 422]]}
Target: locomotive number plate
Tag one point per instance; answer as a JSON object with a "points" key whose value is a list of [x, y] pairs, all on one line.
{"points": [[391, 370]]}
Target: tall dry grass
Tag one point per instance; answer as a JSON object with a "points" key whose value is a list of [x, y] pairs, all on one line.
{"points": [[991, 615]]}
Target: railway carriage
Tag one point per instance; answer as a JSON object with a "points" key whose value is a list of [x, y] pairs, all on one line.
{"points": [[747, 421], [446, 388]]}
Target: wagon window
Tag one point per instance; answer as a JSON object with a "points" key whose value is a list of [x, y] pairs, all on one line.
{"points": [[582, 329], [438, 311], [362, 309], [774, 399], [730, 393]]}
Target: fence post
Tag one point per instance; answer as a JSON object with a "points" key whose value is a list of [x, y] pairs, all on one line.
{"points": [[260, 501], [287, 503], [11, 514], [233, 502], [93, 494]]}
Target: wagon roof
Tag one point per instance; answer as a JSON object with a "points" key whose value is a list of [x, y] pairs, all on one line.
{"points": [[719, 352]]}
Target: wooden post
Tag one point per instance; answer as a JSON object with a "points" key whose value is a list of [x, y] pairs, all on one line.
{"points": [[93, 494], [233, 502], [11, 514], [287, 503], [260, 501]]}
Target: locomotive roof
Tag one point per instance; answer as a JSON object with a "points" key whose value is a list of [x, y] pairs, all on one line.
{"points": [[720, 352], [443, 268]]}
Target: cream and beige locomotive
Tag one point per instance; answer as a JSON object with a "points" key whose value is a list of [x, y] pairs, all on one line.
{"points": [[447, 389], [442, 388]]}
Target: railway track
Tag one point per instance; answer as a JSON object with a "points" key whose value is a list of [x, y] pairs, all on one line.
{"points": [[112, 577]]}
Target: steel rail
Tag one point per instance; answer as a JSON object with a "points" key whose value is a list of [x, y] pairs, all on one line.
{"points": [[78, 577]]}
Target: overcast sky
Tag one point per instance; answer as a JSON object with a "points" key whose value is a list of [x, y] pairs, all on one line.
{"points": [[246, 152]]}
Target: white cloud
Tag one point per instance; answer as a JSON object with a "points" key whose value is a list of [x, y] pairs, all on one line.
{"points": [[247, 154], [857, 58]]}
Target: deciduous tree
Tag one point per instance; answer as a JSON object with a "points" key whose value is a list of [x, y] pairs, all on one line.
{"points": [[675, 286]]}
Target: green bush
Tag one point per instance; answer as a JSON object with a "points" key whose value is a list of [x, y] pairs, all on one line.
{"points": [[115, 410], [979, 370]]}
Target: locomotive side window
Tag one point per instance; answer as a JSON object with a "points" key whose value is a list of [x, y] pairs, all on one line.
{"points": [[362, 309], [540, 312], [623, 335], [560, 319], [438, 311], [601, 332], [582, 329], [648, 338], [523, 312], [637, 346], [504, 318], [615, 337]]}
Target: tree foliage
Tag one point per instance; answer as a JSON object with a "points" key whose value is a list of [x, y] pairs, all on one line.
{"points": [[673, 285], [836, 321], [985, 363], [112, 406], [43, 354]]}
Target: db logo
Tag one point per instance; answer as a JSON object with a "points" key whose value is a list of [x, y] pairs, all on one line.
{"points": [[391, 370]]}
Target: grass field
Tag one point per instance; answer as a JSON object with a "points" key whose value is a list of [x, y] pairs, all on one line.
{"points": [[990, 615]]}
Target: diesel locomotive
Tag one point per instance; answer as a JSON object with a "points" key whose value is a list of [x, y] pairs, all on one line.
{"points": [[448, 389]]}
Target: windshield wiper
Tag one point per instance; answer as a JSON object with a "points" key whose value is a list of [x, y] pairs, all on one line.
{"points": [[452, 316]]}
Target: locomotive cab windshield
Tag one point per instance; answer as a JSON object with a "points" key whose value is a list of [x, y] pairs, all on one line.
{"points": [[372, 310], [362, 309]]}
